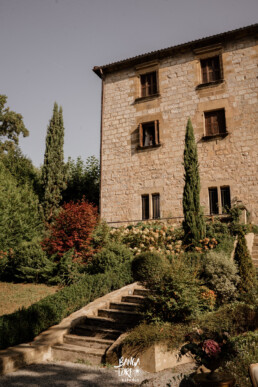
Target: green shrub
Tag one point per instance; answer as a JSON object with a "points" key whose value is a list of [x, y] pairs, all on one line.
{"points": [[234, 318], [101, 235], [67, 271], [111, 257], [145, 335], [25, 324], [177, 296], [245, 266], [28, 263], [220, 274], [247, 348], [20, 218], [149, 267]]}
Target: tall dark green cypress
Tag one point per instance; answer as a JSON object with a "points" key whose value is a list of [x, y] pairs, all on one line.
{"points": [[193, 224], [53, 172], [245, 266]]}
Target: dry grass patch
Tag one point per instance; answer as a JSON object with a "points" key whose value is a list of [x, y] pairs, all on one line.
{"points": [[16, 296]]}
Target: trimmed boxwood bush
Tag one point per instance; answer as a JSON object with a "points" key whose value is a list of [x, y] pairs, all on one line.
{"points": [[23, 325], [149, 267]]}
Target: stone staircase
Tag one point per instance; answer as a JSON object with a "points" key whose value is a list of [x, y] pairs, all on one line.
{"points": [[255, 252], [90, 339]]}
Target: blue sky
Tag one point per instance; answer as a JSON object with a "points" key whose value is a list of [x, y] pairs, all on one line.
{"points": [[49, 47]]}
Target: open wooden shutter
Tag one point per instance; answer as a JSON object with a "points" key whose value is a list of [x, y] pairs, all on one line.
{"points": [[208, 127], [156, 126], [140, 135]]}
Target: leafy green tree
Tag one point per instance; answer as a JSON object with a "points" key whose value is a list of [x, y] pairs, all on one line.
{"points": [[22, 169], [53, 171], [193, 224], [20, 218], [245, 265], [83, 180], [11, 126]]}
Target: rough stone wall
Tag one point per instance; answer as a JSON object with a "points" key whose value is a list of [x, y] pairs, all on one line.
{"points": [[128, 173]]}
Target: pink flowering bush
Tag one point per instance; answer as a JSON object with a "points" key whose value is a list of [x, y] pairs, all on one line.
{"points": [[211, 349]]}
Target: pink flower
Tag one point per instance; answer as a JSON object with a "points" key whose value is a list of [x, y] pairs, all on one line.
{"points": [[211, 348]]}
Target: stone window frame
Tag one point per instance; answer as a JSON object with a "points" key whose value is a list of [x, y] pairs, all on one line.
{"points": [[220, 198], [144, 69], [205, 53], [149, 209]]}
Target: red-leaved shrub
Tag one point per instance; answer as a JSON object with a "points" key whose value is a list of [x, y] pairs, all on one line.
{"points": [[72, 229]]}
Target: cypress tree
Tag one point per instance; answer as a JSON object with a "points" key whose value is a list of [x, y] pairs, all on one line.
{"points": [[193, 224], [53, 172], [245, 265]]}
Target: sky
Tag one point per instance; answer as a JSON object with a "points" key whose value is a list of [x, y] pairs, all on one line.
{"points": [[49, 47]]}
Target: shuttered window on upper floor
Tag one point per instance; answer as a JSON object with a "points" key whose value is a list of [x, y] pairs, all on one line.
{"points": [[211, 69], [215, 122], [148, 84]]}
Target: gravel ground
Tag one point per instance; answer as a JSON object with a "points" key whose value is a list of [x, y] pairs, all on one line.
{"points": [[65, 374]]}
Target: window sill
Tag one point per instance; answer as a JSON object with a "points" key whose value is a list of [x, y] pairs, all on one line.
{"points": [[209, 84], [147, 98], [141, 148], [214, 136]]}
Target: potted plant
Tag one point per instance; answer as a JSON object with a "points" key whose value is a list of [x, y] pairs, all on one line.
{"points": [[211, 349]]}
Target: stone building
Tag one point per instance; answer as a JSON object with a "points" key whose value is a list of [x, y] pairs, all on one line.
{"points": [[146, 102]]}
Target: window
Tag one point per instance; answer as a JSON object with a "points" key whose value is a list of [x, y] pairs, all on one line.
{"points": [[149, 84], [225, 198], [213, 199], [145, 207], [155, 206], [151, 207], [211, 71], [215, 122], [149, 134], [216, 206]]}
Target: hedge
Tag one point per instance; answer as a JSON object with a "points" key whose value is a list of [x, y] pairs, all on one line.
{"points": [[25, 324]]}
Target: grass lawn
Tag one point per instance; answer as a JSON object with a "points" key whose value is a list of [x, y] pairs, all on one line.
{"points": [[14, 296]]}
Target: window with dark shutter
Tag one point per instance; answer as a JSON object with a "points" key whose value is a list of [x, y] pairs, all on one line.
{"points": [[148, 84], [156, 206], [215, 122], [149, 134], [213, 199], [225, 198], [211, 71], [145, 207]]}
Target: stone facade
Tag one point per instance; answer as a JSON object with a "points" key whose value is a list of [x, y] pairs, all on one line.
{"points": [[129, 171]]}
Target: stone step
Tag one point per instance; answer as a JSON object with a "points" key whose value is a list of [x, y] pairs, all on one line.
{"points": [[141, 292], [74, 353], [254, 256], [133, 299], [255, 261], [120, 315], [90, 342], [104, 321], [125, 306], [97, 332]]}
